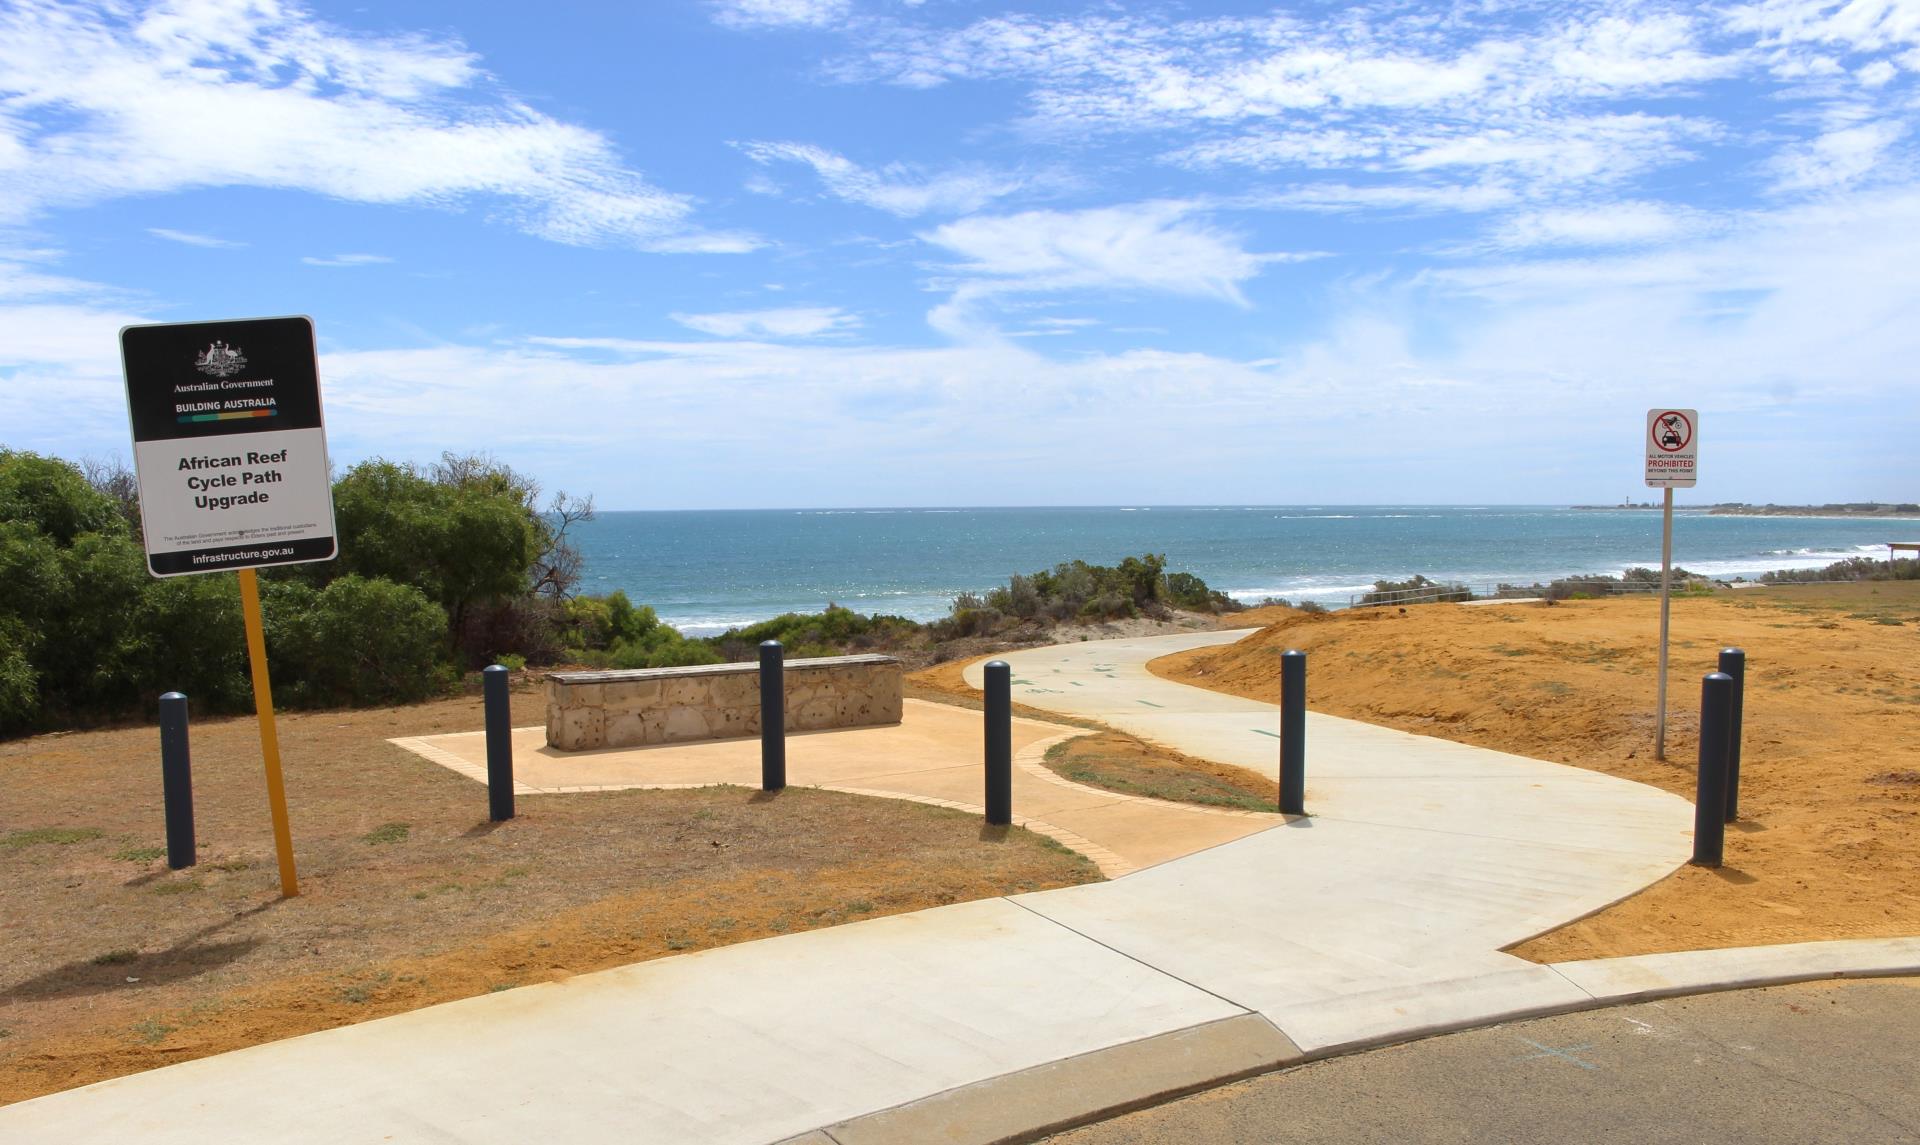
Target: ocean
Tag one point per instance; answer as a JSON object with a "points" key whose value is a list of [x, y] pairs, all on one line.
{"points": [[706, 571]]}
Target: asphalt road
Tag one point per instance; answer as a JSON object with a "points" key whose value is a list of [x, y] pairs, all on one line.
{"points": [[1819, 1062]]}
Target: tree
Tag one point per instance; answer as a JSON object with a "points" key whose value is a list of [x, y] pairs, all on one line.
{"points": [[463, 533], [73, 577]]}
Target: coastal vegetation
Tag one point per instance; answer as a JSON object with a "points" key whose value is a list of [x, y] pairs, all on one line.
{"points": [[1415, 589], [1075, 590], [1851, 569], [1831, 509], [1743, 509], [441, 568]]}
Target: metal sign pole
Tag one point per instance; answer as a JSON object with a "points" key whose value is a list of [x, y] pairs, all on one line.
{"points": [[1673, 454], [269, 735], [1666, 586]]}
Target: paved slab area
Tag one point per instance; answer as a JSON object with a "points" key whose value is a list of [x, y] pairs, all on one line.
{"points": [[1810, 1063], [1379, 917], [935, 754]]}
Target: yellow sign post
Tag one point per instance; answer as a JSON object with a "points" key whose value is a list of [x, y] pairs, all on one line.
{"points": [[269, 735]]}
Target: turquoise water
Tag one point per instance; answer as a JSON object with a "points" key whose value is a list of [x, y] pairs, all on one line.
{"points": [[707, 571]]}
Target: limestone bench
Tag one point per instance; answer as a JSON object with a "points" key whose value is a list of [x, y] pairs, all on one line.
{"points": [[636, 706]]}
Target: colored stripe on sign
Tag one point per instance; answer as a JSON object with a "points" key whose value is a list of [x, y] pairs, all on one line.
{"points": [[229, 416]]}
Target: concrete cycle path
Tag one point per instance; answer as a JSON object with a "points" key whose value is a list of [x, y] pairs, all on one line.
{"points": [[1377, 918], [1385, 909]]}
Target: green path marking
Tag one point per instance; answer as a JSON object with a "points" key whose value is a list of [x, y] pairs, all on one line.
{"points": [[1076, 683], [1150, 703], [1022, 681]]}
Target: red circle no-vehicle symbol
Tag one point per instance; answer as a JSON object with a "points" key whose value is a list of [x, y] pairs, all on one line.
{"points": [[1672, 432]]}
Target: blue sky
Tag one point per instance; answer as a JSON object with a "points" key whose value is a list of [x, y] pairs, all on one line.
{"points": [[743, 253]]}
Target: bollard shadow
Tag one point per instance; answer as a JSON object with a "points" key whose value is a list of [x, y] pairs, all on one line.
{"points": [[764, 796], [1747, 826], [1304, 819], [186, 958], [994, 832], [484, 828], [1734, 875]]}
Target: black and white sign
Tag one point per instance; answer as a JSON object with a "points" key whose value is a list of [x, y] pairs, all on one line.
{"points": [[1673, 448], [229, 444]]}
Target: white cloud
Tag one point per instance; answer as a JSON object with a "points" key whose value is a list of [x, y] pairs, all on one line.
{"points": [[1139, 71], [1420, 197], [784, 322], [1835, 158], [1879, 73], [1644, 51], [780, 13], [1153, 246], [19, 281], [1624, 223], [1860, 25], [1549, 151], [191, 239], [192, 95], [895, 188], [1381, 89], [348, 260], [1530, 155]]}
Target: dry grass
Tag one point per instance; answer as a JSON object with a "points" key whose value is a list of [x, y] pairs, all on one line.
{"points": [[1130, 766], [409, 896]]}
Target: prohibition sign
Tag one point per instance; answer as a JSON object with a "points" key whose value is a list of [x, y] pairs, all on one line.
{"points": [[1672, 432]]}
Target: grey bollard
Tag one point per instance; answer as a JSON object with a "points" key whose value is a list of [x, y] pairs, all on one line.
{"points": [[1710, 796], [999, 717], [1734, 663], [1293, 732], [499, 724], [176, 780], [773, 717]]}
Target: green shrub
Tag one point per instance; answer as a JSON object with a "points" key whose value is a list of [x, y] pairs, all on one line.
{"points": [[1852, 569], [465, 532], [1417, 590], [678, 652], [193, 640], [1075, 590], [831, 632], [73, 579], [363, 641], [54, 497], [19, 683]]}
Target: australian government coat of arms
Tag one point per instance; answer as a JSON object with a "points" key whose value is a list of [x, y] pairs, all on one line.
{"points": [[221, 361]]}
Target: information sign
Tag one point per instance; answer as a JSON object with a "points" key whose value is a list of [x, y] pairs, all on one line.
{"points": [[228, 444]]}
